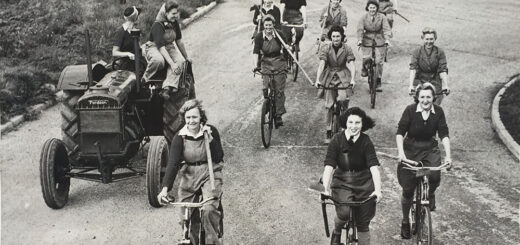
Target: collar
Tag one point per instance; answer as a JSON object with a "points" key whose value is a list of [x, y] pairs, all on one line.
{"points": [[127, 26], [347, 134], [185, 132], [268, 9], [420, 109], [265, 36]]}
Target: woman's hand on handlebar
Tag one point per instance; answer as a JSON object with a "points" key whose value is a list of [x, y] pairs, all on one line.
{"points": [[257, 69], [352, 83], [378, 195], [317, 83], [162, 195], [449, 163]]}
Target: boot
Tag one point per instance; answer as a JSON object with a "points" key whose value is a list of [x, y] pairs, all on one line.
{"points": [[328, 136], [278, 121], [364, 72], [378, 85], [165, 93], [405, 230], [266, 93], [432, 202], [335, 239]]}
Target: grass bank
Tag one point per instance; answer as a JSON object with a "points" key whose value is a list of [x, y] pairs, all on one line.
{"points": [[41, 37]]}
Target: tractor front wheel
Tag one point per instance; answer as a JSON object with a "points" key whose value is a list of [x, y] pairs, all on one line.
{"points": [[155, 168], [54, 165]]}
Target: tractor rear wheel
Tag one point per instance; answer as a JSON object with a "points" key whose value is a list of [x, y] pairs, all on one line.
{"points": [[54, 165], [155, 168], [69, 123]]}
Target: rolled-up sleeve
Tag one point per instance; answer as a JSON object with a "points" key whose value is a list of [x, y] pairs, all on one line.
{"points": [[350, 54], [404, 122], [324, 50], [344, 20], [332, 152], [361, 28], [443, 64], [443, 130], [370, 154], [414, 62]]}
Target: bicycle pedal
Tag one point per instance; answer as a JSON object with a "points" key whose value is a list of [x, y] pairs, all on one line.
{"points": [[184, 241]]}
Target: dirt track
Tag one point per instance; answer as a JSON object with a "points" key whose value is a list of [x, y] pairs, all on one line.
{"points": [[265, 195]]}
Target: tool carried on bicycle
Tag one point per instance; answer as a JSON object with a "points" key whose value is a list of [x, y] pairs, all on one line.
{"points": [[335, 110], [293, 67], [351, 226], [193, 232], [420, 217], [370, 66], [268, 113]]}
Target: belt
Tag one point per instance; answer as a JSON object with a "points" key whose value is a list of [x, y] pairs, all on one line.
{"points": [[354, 170], [198, 163], [272, 55], [420, 140]]}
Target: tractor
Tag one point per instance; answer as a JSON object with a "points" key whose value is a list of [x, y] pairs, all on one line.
{"points": [[107, 117]]}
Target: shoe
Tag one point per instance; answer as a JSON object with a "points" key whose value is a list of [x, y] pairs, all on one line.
{"points": [[364, 72], [328, 136], [405, 230], [378, 85], [266, 93], [278, 121], [335, 239], [432, 202]]}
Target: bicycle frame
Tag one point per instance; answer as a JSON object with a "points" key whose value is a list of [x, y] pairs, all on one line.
{"points": [[335, 109], [421, 198], [350, 226], [187, 225], [372, 71]]}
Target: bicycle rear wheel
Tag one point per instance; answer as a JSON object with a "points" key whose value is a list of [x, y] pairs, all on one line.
{"points": [[372, 83], [266, 123], [334, 119], [294, 68], [424, 227]]}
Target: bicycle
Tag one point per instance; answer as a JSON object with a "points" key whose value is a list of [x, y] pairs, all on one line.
{"points": [[293, 67], [351, 226], [335, 110], [370, 66], [192, 223], [420, 217], [268, 109]]}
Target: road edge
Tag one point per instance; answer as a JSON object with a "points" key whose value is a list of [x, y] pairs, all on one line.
{"points": [[497, 124], [17, 120]]}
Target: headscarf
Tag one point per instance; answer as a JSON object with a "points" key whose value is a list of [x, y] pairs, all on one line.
{"points": [[133, 16]]}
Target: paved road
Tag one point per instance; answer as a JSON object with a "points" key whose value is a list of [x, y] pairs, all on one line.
{"points": [[265, 195]]}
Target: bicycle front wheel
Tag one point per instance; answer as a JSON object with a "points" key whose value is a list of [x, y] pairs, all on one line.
{"points": [[334, 123], [294, 68], [424, 227], [351, 236], [266, 123]]}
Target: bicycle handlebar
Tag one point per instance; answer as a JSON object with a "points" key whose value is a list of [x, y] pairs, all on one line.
{"points": [[373, 46], [267, 73], [331, 201], [334, 88], [290, 25], [188, 204], [417, 166]]}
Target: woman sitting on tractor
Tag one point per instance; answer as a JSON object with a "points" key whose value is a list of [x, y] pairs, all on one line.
{"points": [[165, 33]]}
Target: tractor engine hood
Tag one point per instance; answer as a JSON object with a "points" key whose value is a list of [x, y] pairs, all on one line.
{"points": [[110, 92]]}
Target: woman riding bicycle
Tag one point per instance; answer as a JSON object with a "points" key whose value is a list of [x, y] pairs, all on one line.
{"points": [[333, 15], [373, 27], [336, 69], [123, 41], [294, 13], [161, 48], [269, 58], [188, 157], [356, 176], [428, 64], [416, 141]]}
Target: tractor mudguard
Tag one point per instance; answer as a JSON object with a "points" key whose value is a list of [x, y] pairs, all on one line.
{"points": [[75, 77]]}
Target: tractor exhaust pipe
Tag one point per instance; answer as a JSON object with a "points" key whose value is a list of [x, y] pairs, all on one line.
{"points": [[89, 60]]}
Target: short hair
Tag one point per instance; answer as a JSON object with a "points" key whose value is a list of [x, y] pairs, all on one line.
{"points": [[429, 30], [424, 86], [171, 4], [339, 29], [375, 2], [366, 121], [191, 104]]}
